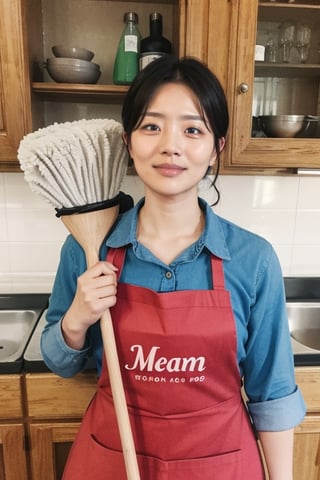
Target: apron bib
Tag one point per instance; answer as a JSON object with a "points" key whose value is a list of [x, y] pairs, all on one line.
{"points": [[178, 358]]}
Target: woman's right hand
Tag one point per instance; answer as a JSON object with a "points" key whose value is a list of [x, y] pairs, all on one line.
{"points": [[96, 292]]}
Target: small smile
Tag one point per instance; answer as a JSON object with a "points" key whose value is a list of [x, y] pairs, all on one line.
{"points": [[169, 169]]}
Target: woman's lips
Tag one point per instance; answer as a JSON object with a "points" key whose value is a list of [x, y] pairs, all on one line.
{"points": [[169, 169]]}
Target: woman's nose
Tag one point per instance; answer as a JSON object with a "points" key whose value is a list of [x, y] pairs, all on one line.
{"points": [[170, 142]]}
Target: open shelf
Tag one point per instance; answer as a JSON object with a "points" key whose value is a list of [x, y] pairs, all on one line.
{"points": [[72, 92], [263, 69]]}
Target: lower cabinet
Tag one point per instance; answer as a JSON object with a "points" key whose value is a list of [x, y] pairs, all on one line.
{"points": [[13, 457], [307, 434], [13, 463], [55, 409], [307, 449], [49, 447], [40, 415]]}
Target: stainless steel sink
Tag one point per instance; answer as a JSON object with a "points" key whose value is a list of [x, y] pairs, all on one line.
{"points": [[33, 359], [16, 327], [304, 324]]}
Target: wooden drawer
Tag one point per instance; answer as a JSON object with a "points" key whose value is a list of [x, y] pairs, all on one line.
{"points": [[10, 397], [308, 379], [50, 396]]}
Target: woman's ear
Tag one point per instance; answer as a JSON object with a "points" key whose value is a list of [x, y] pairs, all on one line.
{"points": [[125, 138], [222, 143]]}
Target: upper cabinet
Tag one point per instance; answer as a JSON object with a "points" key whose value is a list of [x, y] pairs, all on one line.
{"points": [[15, 102], [274, 69], [223, 34], [30, 99]]}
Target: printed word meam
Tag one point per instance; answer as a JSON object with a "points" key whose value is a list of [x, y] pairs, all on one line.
{"points": [[154, 363]]}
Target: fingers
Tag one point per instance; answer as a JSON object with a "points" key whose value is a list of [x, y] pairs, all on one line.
{"points": [[100, 278], [96, 290]]}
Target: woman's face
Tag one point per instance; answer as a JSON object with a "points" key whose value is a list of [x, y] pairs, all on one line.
{"points": [[172, 148]]}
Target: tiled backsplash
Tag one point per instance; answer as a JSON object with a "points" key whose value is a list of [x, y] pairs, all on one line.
{"points": [[285, 210]]}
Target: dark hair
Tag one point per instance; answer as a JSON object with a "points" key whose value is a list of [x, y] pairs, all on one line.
{"points": [[190, 72]]}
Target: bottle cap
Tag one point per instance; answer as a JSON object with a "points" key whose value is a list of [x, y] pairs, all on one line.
{"points": [[131, 17], [155, 16]]}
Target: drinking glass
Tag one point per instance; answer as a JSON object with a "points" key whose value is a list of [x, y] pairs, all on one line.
{"points": [[271, 52], [303, 38], [286, 40]]}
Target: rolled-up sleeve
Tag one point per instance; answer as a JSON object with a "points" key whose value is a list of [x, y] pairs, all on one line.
{"points": [[275, 401], [279, 414], [58, 356]]}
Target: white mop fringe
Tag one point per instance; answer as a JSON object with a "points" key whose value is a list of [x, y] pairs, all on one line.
{"points": [[75, 163]]}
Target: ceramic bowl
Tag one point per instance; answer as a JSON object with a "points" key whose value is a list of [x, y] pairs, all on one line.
{"points": [[72, 62], [282, 126], [72, 52], [72, 74]]}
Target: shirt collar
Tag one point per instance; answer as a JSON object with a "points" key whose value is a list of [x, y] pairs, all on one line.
{"points": [[213, 237]]}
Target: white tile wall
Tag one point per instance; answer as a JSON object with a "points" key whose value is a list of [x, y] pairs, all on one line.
{"points": [[285, 210]]}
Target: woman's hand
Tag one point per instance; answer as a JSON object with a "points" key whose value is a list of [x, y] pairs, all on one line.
{"points": [[96, 292]]}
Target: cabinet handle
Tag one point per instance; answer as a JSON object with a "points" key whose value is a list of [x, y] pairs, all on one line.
{"points": [[243, 88]]}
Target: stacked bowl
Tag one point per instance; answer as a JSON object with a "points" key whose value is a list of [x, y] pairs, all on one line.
{"points": [[72, 65]]}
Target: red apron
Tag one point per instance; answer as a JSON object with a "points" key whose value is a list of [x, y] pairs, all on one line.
{"points": [[178, 357]]}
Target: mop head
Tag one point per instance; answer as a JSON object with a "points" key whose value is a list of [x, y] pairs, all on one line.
{"points": [[75, 164]]}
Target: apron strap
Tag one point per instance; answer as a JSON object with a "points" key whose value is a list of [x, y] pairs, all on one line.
{"points": [[217, 273], [116, 256]]}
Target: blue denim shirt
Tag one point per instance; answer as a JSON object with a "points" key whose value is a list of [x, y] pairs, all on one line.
{"points": [[254, 279]]}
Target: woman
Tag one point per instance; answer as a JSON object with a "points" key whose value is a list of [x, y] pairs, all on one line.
{"points": [[198, 307]]}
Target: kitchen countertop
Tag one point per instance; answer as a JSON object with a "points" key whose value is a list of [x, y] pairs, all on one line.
{"points": [[19, 301], [306, 289]]}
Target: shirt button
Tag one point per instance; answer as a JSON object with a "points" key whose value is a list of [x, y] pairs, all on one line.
{"points": [[168, 275]]}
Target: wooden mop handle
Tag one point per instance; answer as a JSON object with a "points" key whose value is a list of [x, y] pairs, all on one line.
{"points": [[89, 229], [119, 398]]}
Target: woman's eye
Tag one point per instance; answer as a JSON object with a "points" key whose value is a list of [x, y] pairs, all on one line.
{"points": [[193, 131], [150, 127]]}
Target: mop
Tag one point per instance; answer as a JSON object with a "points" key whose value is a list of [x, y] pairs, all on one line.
{"points": [[78, 168]]}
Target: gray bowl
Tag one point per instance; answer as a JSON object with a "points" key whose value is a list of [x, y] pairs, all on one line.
{"points": [[72, 74], [72, 52], [72, 62], [282, 126]]}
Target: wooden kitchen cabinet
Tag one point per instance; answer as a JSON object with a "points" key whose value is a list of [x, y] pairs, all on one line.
{"points": [[15, 95], [55, 408], [13, 464], [307, 434], [223, 34], [244, 18], [13, 461], [50, 444], [25, 87]]}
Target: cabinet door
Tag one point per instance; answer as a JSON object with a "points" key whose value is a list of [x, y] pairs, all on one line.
{"points": [[258, 88], [307, 449], [10, 397], [49, 448], [12, 453], [52, 397], [15, 104]]}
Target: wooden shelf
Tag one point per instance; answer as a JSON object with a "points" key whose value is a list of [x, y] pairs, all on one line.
{"points": [[72, 92], [263, 69], [294, 4]]}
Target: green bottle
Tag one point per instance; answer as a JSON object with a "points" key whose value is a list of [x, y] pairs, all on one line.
{"points": [[126, 65]]}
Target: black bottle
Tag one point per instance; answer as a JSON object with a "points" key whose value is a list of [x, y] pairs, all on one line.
{"points": [[155, 45]]}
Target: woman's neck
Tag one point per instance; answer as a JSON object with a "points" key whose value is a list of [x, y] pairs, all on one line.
{"points": [[171, 229]]}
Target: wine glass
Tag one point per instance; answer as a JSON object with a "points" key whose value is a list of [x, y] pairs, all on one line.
{"points": [[303, 38], [286, 40]]}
